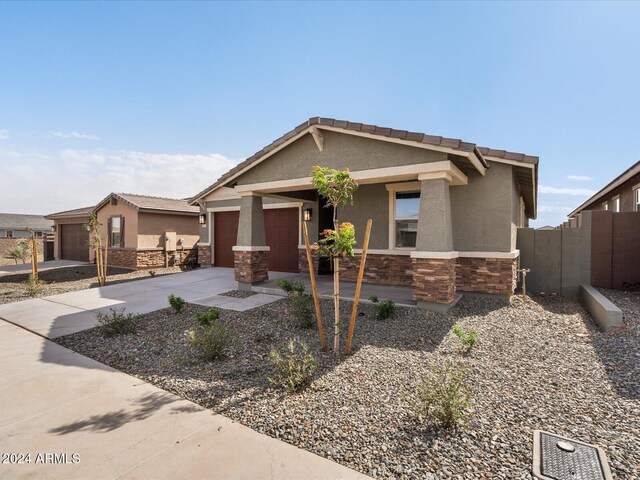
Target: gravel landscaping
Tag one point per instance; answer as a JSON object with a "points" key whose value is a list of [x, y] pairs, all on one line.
{"points": [[239, 293], [540, 364], [69, 279]]}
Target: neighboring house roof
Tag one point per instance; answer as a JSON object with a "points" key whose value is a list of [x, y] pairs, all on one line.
{"points": [[625, 176], [16, 221], [77, 212], [389, 134], [149, 203], [546, 227]]}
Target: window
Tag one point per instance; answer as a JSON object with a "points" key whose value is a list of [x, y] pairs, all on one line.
{"points": [[116, 230], [616, 204], [406, 209], [9, 233], [605, 206], [636, 196]]}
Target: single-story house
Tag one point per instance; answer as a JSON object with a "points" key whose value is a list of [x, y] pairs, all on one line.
{"points": [[146, 232], [622, 194], [16, 225], [71, 239], [445, 212]]}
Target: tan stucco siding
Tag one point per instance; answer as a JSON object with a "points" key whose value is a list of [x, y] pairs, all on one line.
{"points": [[339, 151], [482, 211], [152, 226], [130, 215]]}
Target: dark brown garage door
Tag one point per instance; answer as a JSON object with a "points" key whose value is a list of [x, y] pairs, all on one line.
{"points": [[74, 243], [225, 232], [281, 230]]}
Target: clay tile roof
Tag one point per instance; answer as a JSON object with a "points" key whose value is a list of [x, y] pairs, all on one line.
{"points": [[147, 202], [452, 143], [518, 157], [76, 212]]}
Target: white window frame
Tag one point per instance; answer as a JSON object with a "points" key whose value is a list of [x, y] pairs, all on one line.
{"points": [[605, 205], [617, 204], [636, 197], [394, 188]]}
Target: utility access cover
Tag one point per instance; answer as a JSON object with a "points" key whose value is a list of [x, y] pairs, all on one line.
{"points": [[559, 458]]}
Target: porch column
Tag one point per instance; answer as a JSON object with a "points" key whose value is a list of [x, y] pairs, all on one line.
{"points": [[434, 261], [251, 250]]}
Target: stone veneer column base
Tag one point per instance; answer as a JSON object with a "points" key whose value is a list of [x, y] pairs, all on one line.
{"points": [[250, 266], [303, 264], [434, 280], [494, 276], [204, 255]]}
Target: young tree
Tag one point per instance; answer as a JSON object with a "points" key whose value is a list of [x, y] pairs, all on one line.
{"points": [[95, 242], [20, 252], [337, 187]]}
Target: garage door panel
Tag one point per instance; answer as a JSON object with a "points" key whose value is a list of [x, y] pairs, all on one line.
{"points": [[74, 243], [281, 233], [225, 233]]}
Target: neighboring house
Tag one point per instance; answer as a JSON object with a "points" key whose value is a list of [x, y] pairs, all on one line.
{"points": [[445, 212], [546, 227], [146, 232], [14, 225], [71, 239], [622, 194]]}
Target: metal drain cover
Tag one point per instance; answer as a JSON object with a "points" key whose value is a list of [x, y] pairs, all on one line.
{"points": [[559, 458]]}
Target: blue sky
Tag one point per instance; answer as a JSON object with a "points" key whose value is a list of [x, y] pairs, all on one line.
{"points": [[161, 98]]}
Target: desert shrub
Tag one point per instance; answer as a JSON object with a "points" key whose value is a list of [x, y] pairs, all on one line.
{"points": [[302, 308], [35, 286], [22, 252], [290, 286], [373, 298], [211, 338], [385, 309], [293, 368], [207, 318], [152, 273], [443, 396], [117, 322], [177, 303], [468, 338]]}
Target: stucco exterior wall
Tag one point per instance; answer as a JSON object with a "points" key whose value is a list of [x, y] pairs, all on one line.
{"points": [[482, 211], [626, 196], [151, 227], [339, 151], [56, 236], [130, 215], [369, 201]]}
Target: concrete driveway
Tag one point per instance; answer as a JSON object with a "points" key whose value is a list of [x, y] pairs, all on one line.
{"points": [[67, 313], [102, 424]]}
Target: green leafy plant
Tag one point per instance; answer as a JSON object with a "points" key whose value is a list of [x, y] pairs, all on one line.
{"points": [[373, 298], [293, 368], [152, 273], [177, 303], [207, 318], [468, 338], [35, 286], [290, 286], [385, 309], [117, 322], [443, 397], [337, 188], [302, 308], [211, 338], [20, 252]]}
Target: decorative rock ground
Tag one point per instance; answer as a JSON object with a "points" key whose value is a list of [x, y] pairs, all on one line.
{"points": [[540, 364]]}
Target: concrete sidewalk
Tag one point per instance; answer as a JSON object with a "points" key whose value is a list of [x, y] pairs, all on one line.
{"points": [[67, 313], [122, 428]]}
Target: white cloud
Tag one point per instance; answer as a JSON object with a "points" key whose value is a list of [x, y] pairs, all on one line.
{"points": [[580, 178], [4, 134], [82, 136], [42, 183], [554, 209], [566, 191]]}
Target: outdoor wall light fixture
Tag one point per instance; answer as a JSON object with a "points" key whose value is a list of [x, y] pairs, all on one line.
{"points": [[306, 214], [202, 220], [53, 228]]}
